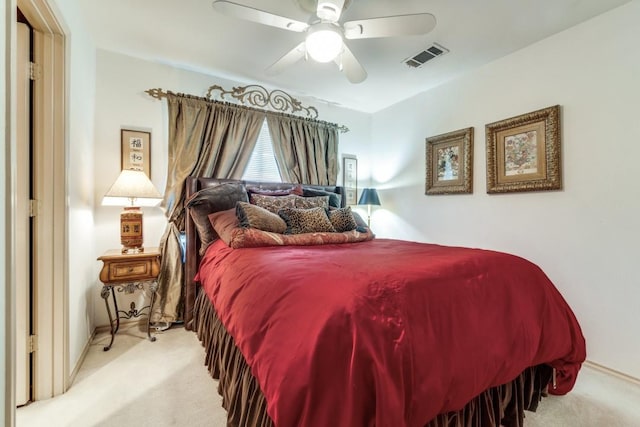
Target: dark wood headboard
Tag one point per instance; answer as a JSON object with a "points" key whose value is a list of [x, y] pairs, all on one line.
{"points": [[192, 262]]}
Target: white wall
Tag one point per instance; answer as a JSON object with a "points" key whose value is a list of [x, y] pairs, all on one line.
{"points": [[584, 237], [80, 82], [122, 103]]}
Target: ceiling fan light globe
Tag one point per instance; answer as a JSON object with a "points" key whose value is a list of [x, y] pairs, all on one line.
{"points": [[324, 44]]}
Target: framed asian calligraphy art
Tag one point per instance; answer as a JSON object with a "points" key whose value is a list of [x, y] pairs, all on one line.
{"points": [[136, 150], [450, 163], [523, 152], [350, 178]]}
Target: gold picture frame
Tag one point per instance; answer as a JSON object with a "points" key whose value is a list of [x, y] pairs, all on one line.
{"points": [[136, 150], [523, 152], [350, 178], [449, 163]]}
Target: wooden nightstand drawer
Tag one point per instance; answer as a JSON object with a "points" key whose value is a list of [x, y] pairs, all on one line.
{"points": [[119, 268], [130, 271]]}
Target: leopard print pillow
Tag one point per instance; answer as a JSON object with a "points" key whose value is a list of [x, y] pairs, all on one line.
{"points": [[342, 219], [306, 220]]}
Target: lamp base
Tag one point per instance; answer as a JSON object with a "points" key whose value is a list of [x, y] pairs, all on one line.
{"points": [[139, 250], [131, 230]]}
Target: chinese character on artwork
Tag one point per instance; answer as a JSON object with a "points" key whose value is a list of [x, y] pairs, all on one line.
{"points": [[136, 159], [135, 143]]}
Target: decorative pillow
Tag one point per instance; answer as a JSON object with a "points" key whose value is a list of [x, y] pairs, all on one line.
{"points": [[342, 219], [297, 190], [312, 202], [359, 221], [361, 224], [252, 216], [209, 200], [273, 203], [306, 220], [254, 238], [226, 224], [228, 228], [335, 199]]}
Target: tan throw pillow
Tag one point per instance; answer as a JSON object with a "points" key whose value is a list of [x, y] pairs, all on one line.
{"points": [[252, 216], [306, 220], [273, 203]]}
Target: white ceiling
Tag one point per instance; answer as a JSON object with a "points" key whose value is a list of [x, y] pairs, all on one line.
{"points": [[192, 35]]}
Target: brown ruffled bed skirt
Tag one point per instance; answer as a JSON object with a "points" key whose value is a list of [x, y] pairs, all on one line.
{"points": [[246, 406]]}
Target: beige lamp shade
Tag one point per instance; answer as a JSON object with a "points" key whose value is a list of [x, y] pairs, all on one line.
{"points": [[132, 189]]}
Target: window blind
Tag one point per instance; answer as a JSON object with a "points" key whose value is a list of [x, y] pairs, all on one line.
{"points": [[262, 164]]}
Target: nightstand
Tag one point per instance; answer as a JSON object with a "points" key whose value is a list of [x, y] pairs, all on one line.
{"points": [[128, 273]]}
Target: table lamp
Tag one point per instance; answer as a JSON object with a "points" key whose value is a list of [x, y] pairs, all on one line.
{"points": [[132, 189], [369, 197]]}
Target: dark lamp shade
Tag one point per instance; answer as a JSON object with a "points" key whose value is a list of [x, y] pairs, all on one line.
{"points": [[369, 196]]}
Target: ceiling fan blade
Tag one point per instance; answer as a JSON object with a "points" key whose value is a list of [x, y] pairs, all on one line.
{"points": [[256, 15], [350, 66], [329, 10], [388, 26], [289, 58]]}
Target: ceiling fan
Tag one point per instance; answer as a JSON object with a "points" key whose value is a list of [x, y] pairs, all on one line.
{"points": [[325, 36]]}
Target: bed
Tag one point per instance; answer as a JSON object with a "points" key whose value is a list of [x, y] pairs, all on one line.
{"points": [[362, 331]]}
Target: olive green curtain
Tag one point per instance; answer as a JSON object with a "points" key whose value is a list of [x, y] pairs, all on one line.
{"points": [[209, 139], [306, 151]]}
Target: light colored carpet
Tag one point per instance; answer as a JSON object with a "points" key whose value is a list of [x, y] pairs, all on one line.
{"points": [[165, 383]]}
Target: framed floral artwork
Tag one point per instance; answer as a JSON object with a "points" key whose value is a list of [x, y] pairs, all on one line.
{"points": [[449, 164], [523, 152]]}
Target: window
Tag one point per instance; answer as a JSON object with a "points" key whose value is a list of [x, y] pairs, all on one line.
{"points": [[262, 165]]}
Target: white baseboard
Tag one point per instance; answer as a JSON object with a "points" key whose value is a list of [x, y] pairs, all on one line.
{"points": [[612, 372], [80, 361]]}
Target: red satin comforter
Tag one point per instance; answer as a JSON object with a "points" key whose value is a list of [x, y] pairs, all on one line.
{"points": [[386, 332]]}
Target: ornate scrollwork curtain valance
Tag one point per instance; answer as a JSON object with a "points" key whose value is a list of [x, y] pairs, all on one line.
{"points": [[255, 96]]}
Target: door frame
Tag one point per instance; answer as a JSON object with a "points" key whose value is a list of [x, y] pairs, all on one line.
{"points": [[21, 220], [50, 276], [8, 128]]}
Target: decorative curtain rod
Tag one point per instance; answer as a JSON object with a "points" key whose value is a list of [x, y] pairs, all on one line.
{"points": [[257, 96]]}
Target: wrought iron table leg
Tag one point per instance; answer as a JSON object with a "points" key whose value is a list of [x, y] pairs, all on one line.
{"points": [[115, 305], [105, 295], [153, 287]]}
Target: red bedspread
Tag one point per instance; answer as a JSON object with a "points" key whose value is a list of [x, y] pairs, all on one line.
{"points": [[386, 332]]}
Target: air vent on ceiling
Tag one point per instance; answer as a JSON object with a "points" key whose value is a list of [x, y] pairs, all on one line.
{"points": [[419, 59]]}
